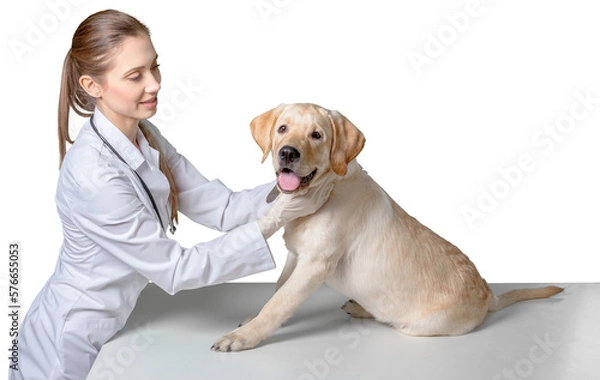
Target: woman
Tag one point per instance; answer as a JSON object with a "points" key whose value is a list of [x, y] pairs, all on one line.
{"points": [[121, 184]]}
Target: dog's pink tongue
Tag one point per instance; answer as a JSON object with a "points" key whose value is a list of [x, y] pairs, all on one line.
{"points": [[288, 181]]}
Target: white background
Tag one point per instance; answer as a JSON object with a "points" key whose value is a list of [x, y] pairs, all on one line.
{"points": [[491, 83]]}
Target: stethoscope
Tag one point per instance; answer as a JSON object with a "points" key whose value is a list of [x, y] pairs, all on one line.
{"points": [[172, 227]]}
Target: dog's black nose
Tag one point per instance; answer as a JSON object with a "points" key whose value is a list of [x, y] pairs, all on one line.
{"points": [[288, 154]]}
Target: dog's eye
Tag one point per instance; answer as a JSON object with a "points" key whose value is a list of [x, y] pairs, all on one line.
{"points": [[282, 128], [316, 135]]}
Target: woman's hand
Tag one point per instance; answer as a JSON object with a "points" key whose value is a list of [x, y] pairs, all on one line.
{"points": [[290, 206]]}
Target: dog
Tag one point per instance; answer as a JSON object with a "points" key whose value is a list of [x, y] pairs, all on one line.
{"points": [[361, 243]]}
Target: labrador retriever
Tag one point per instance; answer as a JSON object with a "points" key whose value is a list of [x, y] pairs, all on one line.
{"points": [[361, 242]]}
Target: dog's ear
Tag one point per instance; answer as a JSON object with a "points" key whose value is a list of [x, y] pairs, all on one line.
{"points": [[262, 129], [347, 143]]}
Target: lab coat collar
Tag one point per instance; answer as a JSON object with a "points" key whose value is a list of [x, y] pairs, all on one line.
{"points": [[130, 153], [149, 153]]}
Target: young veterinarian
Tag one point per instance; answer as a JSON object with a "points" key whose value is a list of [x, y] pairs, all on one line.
{"points": [[121, 185]]}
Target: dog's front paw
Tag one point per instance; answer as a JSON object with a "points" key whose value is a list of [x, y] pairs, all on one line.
{"points": [[235, 341]]}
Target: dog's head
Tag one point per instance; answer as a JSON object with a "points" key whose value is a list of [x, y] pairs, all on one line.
{"points": [[307, 142]]}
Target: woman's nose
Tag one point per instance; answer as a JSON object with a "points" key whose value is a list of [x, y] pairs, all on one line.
{"points": [[153, 84]]}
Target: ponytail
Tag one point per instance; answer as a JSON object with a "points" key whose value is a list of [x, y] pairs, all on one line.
{"points": [[63, 112], [71, 96]]}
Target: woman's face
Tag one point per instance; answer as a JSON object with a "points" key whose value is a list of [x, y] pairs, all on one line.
{"points": [[129, 89]]}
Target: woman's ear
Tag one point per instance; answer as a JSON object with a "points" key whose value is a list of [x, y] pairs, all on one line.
{"points": [[90, 86]]}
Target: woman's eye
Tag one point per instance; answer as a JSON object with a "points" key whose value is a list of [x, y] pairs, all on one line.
{"points": [[155, 67], [282, 129], [316, 135], [135, 77]]}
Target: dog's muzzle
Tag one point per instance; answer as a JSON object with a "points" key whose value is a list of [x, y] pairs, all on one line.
{"points": [[287, 179]]}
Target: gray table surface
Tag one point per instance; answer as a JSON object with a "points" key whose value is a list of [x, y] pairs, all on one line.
{"points": [[169, 337]]}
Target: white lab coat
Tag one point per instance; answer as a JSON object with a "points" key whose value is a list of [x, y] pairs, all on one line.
{"points": [[114, 245]]}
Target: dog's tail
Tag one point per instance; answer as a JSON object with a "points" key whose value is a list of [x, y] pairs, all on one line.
{"points": [[518, 295]]}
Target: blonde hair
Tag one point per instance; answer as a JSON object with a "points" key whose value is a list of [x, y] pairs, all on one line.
{"points": [[93, 44]]}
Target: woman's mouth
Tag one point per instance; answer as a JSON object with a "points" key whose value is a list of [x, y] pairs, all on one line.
{"points": [[150, 103]]}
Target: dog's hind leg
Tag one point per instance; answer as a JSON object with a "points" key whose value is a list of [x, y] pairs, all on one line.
{"points": [[354, 309], [445, 321]]}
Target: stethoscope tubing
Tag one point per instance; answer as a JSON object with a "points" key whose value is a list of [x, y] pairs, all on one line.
{"points": [[146, 189]]}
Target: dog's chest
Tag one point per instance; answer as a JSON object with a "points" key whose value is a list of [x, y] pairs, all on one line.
{"points": [[304, 235], [328, 233]]}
